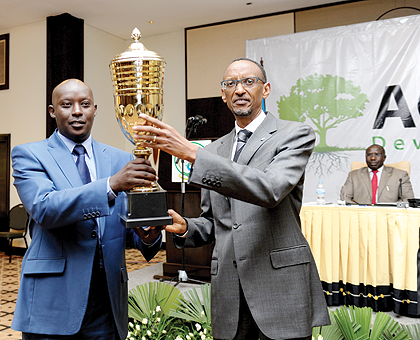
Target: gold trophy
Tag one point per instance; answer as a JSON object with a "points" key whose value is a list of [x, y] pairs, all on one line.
{"points": [[137, 75]]}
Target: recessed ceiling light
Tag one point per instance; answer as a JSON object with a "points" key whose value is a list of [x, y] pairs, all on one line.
{"points": [[151, 22]]}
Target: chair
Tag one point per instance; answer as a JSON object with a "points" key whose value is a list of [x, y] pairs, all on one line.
{"points": [[18, 225], [403, 165]]}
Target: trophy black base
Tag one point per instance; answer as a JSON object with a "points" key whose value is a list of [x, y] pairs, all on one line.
{"points": [[145, 209]]}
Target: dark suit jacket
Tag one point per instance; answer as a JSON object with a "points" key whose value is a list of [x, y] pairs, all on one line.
{"points": [[57, 267], [251, 210], [394, 186]]}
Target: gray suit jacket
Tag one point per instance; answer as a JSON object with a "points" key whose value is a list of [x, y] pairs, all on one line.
{"points": [[251, 210], [394, 186]]}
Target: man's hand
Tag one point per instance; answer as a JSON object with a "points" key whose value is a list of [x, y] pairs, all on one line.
{"points": [[137, 172], [179, 225], [164, 137], [149, 234]]}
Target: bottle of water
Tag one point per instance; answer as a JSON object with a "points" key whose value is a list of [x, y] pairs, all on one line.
{"points": [[320, 193]]}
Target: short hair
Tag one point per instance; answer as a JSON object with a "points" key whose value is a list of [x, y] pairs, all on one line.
{"points": [[380, 146], [264, 74]]}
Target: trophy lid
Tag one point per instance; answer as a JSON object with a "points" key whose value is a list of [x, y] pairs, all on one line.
{"points": [[136, 51]]}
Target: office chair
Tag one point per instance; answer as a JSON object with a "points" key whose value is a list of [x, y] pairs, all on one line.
{"points": [[18, 225]]}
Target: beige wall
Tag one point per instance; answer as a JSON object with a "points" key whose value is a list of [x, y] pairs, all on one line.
{"points": [[216, 46], [22, 106]]}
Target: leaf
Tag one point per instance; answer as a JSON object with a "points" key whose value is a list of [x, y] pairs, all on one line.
{"points": [[145, 298]]}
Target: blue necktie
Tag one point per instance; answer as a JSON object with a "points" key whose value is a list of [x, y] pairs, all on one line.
{"points": [[80, 151], [243, 136]]}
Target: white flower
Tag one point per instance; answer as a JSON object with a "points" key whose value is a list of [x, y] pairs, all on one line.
{"points": [[158, 319], [320, 337], [149, 333], [143, 338], [130, 324], [202, 312], [198, 327], [203, 337], [205, 330], [164, 331], [178, 338], [191, 335], [138, 327], [158, 309], [144, 321], [188, 337]]}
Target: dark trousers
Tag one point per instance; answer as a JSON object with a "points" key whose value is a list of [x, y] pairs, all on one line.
{"points": [[98, 322], [247, 328]]}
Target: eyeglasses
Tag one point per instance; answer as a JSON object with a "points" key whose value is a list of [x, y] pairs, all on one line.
{"points": [[248, 82]]}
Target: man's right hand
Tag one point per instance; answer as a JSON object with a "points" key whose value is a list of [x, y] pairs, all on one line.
{"points": [[137, 172]]}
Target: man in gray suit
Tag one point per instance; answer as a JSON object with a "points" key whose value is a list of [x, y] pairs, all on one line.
{"points": [[392, 184], [265, 283]]}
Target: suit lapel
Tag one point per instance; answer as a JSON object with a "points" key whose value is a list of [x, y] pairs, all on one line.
{"points": [[103, 170], [385, 176], [366, 180], [264, 132], [225, 147], [64, 160], [102, 160]]}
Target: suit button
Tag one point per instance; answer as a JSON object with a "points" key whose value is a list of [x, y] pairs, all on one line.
{"points": [[213, 182], [98, 213], [235, 226], [204, 181], [85, 216], [218, 184], [93, 234]]}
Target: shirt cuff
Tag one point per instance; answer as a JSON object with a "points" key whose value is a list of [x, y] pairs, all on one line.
{"points": [[111, 194], [184, 235]]}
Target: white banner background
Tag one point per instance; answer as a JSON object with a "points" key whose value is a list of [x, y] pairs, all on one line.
{"points": [[372, 56]]}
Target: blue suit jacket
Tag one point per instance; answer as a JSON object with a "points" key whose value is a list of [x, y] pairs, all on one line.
{"points": [[57, 267]]}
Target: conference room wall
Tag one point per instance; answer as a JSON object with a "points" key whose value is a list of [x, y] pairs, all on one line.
{"points": [[217, 44]]}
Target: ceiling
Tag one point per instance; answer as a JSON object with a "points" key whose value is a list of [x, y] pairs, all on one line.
{"points": [[119, 17]]}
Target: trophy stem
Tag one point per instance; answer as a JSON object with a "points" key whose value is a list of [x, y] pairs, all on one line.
{"points": [[144, 153]]}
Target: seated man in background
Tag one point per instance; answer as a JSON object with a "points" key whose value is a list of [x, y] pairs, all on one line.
{"points": [[377, 183]]}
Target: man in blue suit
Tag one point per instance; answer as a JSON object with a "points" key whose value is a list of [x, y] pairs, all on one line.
{"points": [[74, 276]]}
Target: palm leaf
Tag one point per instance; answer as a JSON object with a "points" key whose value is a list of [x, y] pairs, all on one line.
{"points": [[413, 331], [192, 309], [331, 332], [145, 298]]}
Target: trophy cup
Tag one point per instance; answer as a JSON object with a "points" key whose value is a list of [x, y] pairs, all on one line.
{"points": [[137, 76]]}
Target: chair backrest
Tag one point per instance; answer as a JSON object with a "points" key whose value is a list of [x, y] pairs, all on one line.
{"points": [[403, 165], [18, 218]]}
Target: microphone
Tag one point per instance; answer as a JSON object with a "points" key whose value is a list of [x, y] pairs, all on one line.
{"points": [[400, 192]]}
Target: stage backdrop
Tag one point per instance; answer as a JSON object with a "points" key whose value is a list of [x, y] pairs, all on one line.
{"points": [[355, 85]]}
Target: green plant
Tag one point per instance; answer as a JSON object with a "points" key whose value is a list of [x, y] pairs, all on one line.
{"points": [[159, 311]]}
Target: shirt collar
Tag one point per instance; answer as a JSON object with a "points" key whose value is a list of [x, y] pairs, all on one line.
{"points": [[70, 144], [379, 170], [253, 125]]}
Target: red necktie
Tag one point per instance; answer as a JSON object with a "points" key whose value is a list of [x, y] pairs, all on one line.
{"points": [[374, 186]]}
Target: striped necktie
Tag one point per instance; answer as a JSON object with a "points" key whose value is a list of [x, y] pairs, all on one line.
{"points": [[80, 151], [243, 136]]}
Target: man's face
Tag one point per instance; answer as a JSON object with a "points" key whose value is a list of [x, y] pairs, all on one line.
{"points": [[245, 101], [73, 110], [375, 157]]}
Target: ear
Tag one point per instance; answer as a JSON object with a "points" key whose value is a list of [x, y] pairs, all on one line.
{"points": [[96, 108], [223, 96], [51, 111], [266, 90]]}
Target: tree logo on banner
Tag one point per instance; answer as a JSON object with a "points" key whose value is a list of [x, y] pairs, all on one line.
{"points": [[326, 101]]}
